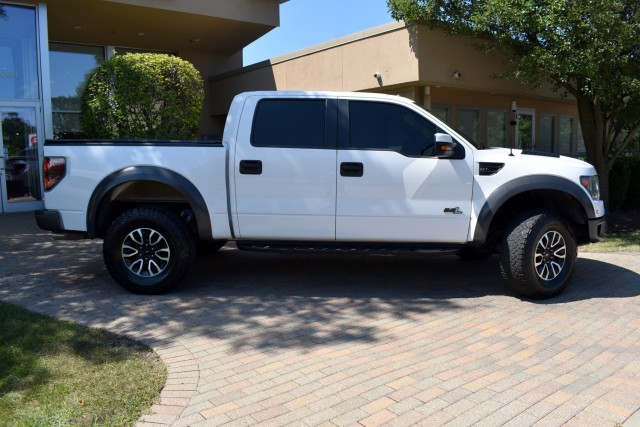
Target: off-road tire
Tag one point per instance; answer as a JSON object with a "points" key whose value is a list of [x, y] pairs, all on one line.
{"points": [[538, 255], [148, 250]]}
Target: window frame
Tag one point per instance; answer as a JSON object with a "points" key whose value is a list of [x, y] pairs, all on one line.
{"points": [[54, 47], [555, 142], [480, 142], [445, 107], [572, 142], [487, 112]]}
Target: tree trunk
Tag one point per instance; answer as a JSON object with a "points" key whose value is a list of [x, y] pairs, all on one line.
{"points": [[593, 126]]}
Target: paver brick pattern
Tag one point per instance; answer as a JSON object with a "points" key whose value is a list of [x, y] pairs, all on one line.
{"points": [[327, 340]]}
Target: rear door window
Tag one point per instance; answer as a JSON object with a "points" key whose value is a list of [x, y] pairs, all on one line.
{"points": [[289, 123]]}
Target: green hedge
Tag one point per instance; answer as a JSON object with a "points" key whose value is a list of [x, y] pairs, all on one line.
{"points": [[624, 183], [143, 95]]}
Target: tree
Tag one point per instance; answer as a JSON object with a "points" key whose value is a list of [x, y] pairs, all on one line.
{"points": [[143, 95], [589, 49]]}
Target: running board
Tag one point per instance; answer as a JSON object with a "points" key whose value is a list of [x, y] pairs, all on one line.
{"points": [[352, 248]]}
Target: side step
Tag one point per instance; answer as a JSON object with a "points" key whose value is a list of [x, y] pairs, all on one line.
{"points": [[351, 248]]}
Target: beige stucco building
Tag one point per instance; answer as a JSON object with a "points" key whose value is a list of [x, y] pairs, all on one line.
{"points": [[446, 75], [48, 47]]}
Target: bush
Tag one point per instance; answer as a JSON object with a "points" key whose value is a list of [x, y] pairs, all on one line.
{"points": [[143, 95], [624, 183], [619, 182], [633, 192]]}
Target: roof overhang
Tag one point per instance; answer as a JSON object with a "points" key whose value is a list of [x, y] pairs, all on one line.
{"points": [[214, 27]]}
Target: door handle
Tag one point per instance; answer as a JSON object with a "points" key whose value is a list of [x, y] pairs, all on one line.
{"points": [[355, 169], [251, 167]]}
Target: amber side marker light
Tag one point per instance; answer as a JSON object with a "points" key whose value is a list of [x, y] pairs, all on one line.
{"points": [[53, 170]]}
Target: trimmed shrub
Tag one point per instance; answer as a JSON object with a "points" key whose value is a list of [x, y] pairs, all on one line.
{"points": [[143, 95]]}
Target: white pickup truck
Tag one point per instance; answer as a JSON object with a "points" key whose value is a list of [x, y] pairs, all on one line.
{"points": [[322, 171]]}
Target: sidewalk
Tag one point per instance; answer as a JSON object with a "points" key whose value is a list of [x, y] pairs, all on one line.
{"points": [[267, 339]]}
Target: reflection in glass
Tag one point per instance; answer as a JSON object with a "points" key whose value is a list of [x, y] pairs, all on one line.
{"points": [[18, 54], [525, 131], [496, 128], [547, 133], [566, 135], [468, 123], [70, 67], [441, 112], [20, 145]]}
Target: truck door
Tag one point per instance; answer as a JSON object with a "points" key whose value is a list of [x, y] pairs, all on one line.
{"points": [[285, 169], [390, 186]]}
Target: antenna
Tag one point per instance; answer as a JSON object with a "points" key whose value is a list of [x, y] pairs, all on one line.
{"points": [[514, 122]]}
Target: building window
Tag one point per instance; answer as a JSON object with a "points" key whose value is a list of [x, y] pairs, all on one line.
{"points": [[119, 50], [496, 128], [18, 54], [70, 67], [547, 133], [441, 112], [566, 135], [468, 123], [582, 150]]}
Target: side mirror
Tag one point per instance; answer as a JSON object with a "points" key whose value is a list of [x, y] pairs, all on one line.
{"points": [[445, 147]]}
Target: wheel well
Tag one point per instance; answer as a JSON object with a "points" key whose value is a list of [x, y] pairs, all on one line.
{"points": [[562, 204], [132, 194]]}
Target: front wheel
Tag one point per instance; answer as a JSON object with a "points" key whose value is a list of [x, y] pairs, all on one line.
{"points": [[148, 250], [538, 255]]}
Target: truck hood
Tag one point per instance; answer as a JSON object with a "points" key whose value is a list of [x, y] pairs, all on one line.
{"points": [[536, 163]]}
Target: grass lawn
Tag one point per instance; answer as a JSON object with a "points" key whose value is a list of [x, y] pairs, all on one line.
{"points": [[55, 373], [616, 242]]}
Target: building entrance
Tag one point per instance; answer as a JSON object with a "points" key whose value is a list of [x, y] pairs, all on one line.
{"points": [[20, 165], [20, 109]]}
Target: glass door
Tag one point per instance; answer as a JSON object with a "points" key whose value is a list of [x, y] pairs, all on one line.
{"points": [[525, 129], [19, 163], [21, 120]]}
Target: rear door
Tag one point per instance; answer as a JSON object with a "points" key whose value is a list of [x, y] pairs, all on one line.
{"points": [[285, 169], [390, 187]]}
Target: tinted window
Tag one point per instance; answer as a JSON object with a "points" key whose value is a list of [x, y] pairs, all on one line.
{"points": [[293, 123], [380, 126]]}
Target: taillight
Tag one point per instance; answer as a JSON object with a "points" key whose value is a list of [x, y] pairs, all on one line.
{"points": [[53, 170]]}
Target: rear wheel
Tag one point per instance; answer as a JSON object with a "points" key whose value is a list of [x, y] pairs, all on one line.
{"points": [[538, 255], [148, 250]]}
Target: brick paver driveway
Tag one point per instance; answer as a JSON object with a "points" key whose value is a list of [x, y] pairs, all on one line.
{"points": [[364, 340]]}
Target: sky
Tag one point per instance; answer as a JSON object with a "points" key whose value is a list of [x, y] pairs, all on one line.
{"points": [[305, 23]]}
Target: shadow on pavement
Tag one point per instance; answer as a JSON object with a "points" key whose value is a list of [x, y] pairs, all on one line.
{"points": [[267, 300]]}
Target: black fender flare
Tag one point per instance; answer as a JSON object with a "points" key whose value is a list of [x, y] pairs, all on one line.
{"points": [[154, 174], [521, 185]]}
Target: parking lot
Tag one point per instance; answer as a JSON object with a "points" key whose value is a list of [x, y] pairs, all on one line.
{"points": [[269, 339]]}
